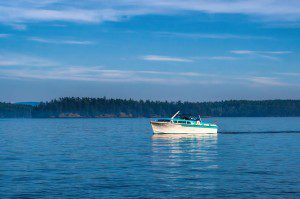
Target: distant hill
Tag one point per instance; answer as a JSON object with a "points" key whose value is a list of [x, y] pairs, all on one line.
{"points": [[29, 103], [103, 107]]}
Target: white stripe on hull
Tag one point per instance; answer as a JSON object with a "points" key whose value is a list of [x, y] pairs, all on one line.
{"points": [[171, 128]]}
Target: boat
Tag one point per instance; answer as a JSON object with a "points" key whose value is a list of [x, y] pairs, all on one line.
{"points": [[182, 124]]}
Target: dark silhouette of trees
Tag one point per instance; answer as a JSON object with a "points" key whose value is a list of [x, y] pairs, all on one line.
{"points": [[8, 110], [103, 107]]}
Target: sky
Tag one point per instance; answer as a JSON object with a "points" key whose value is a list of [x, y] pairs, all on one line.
{"points": [[192, 50]]}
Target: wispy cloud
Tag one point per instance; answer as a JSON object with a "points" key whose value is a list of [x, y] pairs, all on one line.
{"points": [[24, 14], [99, 74], [4, 35], [91, 11], [265, 81], [54, 41], [165, 58], [277, 52], [291, 74], [17, 26], [263, 54], [14, 59], [248, 52], [224, 58], [242, 52], [218, 58], [209, 35], [103, 74]]}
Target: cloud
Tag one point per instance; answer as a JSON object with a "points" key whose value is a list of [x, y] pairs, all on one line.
{"points": [[242, 52], [262, 54], [224, 58], [18, 14], [209, 35], [218, 58], [102, 74], [4, 35], [13, 59], [98, 74], [248, 52], [277, 52], [291, 74], [18, 26], [266, 81], [53, 41], [165, 58], [97, 11]]}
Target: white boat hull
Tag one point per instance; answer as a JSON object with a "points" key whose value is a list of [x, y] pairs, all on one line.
{"points": [[171, 128]]}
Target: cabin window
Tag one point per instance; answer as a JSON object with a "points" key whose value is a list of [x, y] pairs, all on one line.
{"points": [[181, 122], [188, 122]]}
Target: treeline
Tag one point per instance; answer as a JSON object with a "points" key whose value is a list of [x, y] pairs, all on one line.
{"points": [[8, 110], [103, 107]]}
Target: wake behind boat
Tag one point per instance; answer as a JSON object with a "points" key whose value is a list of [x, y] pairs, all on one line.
{"points": [[182, 124]]}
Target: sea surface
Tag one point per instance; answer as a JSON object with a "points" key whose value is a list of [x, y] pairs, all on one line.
{"points": [[120, 158]]}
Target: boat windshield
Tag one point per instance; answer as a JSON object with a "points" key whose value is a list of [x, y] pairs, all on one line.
{"points": [[187, 117], [163, 120]]}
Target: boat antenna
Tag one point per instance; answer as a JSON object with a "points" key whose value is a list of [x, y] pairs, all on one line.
{"points": [[175, 115]]}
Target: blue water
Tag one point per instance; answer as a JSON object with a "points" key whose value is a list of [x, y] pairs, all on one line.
{"points": [[118, 158]]}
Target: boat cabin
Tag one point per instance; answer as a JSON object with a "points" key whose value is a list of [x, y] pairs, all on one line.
{"points": [[181, 119]]}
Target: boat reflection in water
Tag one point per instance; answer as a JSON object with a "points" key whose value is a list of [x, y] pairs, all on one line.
{"points": [[185, 158], [185, 137]]}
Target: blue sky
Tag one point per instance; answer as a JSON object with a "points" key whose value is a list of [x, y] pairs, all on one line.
{"points": [[195, 50]]}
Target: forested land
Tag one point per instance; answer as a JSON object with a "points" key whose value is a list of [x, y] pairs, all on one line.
{"points": [[8, 110], [103, 107]]}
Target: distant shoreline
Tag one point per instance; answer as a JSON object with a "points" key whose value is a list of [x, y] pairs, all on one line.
{"points": [[74, 107], [33, 118]]}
